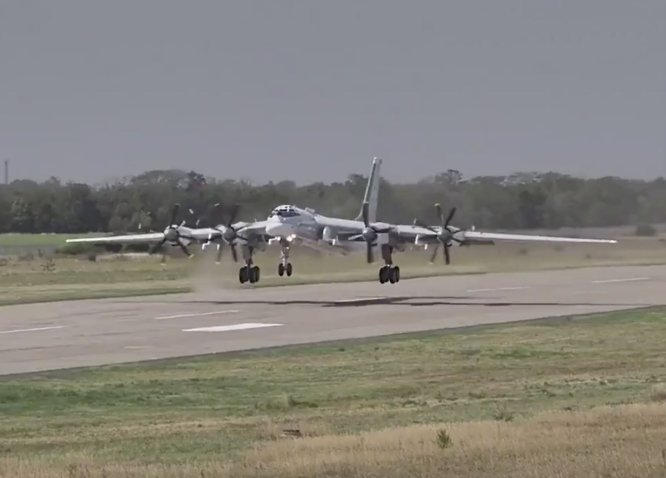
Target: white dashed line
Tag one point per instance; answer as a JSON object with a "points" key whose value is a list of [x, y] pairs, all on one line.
{"points": [[498, 289], [203, 314], [232, 327], [36, 329], [612, 281]]}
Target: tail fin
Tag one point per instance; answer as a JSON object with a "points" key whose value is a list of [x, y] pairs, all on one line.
{"points": [[372, 192]]}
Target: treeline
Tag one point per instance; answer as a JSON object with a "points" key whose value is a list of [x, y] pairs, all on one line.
{"points": [[518, 201]]}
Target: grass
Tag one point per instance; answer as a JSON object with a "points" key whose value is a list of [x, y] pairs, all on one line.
{"points": [[29, 278], [33, 240], [515, 400]]}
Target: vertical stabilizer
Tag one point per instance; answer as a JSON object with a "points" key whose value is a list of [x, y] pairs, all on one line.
{"points": [[372, 192]]}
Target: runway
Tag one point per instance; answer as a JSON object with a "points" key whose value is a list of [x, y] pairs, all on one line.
{"points": [[58, 335]]}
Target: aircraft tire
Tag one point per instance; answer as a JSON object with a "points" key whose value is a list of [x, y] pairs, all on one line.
{"points": [[391, 275], [280, 269], [254, 274], [383, 274], [289, 269], [396, 273], [243, 274]]}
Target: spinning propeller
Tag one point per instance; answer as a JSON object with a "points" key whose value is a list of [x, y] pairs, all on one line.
{"points": [[172, 233], [445, 234], [228, 233], [370, 232]]}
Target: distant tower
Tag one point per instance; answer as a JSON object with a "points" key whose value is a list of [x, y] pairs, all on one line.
{"points": [[6, 171]]}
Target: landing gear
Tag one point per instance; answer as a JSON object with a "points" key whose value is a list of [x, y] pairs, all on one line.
{"points": [[285, 267], [388, 272], [249, 272]]}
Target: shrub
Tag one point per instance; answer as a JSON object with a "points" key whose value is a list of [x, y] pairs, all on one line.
{"points": [[443, 439]]}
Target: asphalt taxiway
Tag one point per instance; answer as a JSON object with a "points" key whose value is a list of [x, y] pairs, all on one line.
{"points": [[57, 335]]}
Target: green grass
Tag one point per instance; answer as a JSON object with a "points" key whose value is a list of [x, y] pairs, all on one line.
{"points": [[219, 407], [33, 240]]}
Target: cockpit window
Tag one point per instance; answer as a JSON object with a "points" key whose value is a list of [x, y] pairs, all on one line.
{"points": [[284, 212]]}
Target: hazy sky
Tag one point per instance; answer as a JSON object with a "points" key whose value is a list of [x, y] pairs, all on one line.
{"points": [[311, 90]]}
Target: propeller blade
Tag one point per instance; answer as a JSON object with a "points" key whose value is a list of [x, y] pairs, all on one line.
{"points": [[157, 246], [174, 212], [434, 253], [440, 213], [234, 254], [215, 214], [455, 239], [450, 216], [365, 212], [233, 214], [183, 247], [368, 253], [418, 222], [447, 256]]}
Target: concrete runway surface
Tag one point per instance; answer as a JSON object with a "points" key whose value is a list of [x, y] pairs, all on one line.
{"points": [[93, 332]]}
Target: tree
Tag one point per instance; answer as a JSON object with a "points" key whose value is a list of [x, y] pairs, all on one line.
{"points": [[22, 216]]}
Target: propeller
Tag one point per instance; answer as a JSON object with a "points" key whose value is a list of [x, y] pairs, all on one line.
{"points": [[370, 232], [172, 233], [445, 235], [228, 233]]}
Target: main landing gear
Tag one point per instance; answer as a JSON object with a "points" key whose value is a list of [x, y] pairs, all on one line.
{"points": [[249, 272], [285, 267], [388, 272]]}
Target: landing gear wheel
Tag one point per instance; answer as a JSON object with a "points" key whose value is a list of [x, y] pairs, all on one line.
{"points": [[289, 269], [392, 275], [280, 269], [254, 274], [396, 273], [383, 274], [243, 275]]}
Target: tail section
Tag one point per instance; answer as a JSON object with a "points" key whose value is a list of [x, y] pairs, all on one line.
{"points": [[372, 192]]}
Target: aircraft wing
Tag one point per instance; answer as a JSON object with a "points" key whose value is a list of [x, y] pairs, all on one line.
{"points": [[496, 236], [126, 239], [476, 237], [252, 228]]}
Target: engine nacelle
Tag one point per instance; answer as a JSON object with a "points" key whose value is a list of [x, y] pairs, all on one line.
{"points": [[329, 234]]}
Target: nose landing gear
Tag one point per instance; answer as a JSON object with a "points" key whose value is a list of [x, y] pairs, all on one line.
{"points": [[285, 267]]}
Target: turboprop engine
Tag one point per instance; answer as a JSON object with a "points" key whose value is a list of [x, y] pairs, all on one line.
{"points": [[329, 234]]}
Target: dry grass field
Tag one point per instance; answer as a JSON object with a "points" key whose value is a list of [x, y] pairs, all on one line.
{"points": [[30, 277], [568, 397]]}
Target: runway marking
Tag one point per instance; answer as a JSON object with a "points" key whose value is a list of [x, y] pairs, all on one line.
{"points": [[203, 314], [36, 329], [232, 327], [498, 289], [612, 281]]}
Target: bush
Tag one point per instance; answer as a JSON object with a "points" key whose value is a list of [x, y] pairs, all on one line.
{"points": [[443, 439], [75, 249], [646, 230]]}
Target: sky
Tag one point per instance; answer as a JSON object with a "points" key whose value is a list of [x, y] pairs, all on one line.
{"points": [[311, 90]]}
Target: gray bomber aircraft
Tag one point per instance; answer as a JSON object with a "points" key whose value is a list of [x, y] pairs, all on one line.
{"points": [[290, 225]]}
